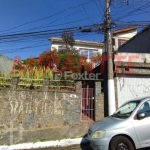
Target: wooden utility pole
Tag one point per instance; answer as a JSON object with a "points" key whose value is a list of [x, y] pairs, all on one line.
{"points": [[111, 89]]}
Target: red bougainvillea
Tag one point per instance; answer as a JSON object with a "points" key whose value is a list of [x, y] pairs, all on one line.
{"points": [[17, 65], [31, 62], [48, 59], [68, 65]]}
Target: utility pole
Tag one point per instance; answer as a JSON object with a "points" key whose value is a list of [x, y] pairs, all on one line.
{"points": [[111, 89]]}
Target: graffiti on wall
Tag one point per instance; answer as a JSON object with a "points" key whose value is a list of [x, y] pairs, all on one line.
{"points": [[42, 108]]}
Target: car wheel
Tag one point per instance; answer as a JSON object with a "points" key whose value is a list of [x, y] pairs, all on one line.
{"points": [[121, 143]]}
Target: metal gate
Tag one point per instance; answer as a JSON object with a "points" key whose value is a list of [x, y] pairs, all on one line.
{"points": [[87, 104]]}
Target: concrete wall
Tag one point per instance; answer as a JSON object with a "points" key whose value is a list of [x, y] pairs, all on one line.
{"points": [[5, 64], [132, 57]]}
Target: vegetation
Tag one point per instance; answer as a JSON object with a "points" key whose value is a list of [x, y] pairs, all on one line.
{"points": [[32, 71]]}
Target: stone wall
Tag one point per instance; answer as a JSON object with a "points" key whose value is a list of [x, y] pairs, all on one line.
{"points": [[30, 114], [38, 109], [116, 92], [99, 102]]}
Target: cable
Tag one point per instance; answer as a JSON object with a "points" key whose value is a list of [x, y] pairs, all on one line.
{"points": [[52, 25], [129, 13], [97, 6], [46, 17], [87, 14]]}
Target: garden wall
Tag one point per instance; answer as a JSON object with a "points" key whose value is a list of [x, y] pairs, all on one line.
{"points": [[30, 115]]}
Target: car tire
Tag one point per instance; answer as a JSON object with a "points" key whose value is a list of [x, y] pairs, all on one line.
{"points": [[121, 143]]}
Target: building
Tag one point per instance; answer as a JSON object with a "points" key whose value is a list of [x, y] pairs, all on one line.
{"points": [[132, 67], [86, 48], [123, 35]]}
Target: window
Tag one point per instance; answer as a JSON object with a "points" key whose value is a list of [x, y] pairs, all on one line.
{"points": [[121, 41], [61, 48], [88, 53], [145, 107], [126, 110]]}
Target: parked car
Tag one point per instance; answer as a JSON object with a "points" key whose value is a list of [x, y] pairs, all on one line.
{"points": [[127, 129]]}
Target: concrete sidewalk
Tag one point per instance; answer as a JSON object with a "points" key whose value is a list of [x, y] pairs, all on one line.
{"points": [[47, 144]]}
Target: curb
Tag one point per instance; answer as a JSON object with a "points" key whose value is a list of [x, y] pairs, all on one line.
{"points": [[57, 143]]}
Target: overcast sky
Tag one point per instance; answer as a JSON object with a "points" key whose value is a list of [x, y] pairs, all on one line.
{"points": [[51, 16]]}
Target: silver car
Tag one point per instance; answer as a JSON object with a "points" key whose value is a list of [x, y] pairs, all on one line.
{"points": [[127, 129]]}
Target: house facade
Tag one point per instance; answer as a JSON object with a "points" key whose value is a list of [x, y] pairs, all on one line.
{"points": [[132, 67], [86, 48], [123, 35]]}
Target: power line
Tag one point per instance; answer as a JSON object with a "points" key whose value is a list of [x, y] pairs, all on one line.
{"points": [[87, 14], [97, 7], [47, 25], [47, 16], [131, 12]]}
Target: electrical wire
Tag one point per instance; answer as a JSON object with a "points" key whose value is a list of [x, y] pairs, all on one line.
{"points": [[47, 16]]}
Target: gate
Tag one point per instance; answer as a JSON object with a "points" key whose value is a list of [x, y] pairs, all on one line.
{"points": [[87, 104]]}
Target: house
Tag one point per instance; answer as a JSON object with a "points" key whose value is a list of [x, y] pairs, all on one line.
{"points": [[5, 65], [86, 48], [123, 35], [132, 67]]}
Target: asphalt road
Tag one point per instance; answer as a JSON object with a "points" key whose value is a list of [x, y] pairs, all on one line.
{"points": [[76, 147]]}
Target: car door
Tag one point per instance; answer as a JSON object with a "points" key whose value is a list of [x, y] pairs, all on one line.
{"points": [[142, 126]]}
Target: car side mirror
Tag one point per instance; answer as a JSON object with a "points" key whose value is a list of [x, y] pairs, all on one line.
{"points": [[141, 116]]}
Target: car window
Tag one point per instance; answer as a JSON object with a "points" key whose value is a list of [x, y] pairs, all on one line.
{"points": [[145, 107], [126, 110]]}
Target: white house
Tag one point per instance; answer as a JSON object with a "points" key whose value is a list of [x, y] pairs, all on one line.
{"points": [[86, 48], [123, 35]]}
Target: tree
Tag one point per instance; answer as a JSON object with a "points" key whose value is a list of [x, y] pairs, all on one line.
{"points": [[68, 40]]}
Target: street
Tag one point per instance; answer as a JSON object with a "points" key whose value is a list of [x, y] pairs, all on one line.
{"points": [[76, 147]]}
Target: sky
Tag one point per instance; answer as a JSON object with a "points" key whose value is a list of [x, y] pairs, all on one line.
{"points": [[26, 25]]}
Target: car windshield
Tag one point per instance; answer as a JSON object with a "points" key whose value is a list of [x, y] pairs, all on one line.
{"points": [[126, 110]]}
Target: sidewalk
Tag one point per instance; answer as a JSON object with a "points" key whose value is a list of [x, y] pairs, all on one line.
{"points": [[41, 145]]}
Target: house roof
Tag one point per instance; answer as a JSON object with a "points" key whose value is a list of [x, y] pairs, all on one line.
{"points": [[56, 39], [125, 29], [131, 39]]}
